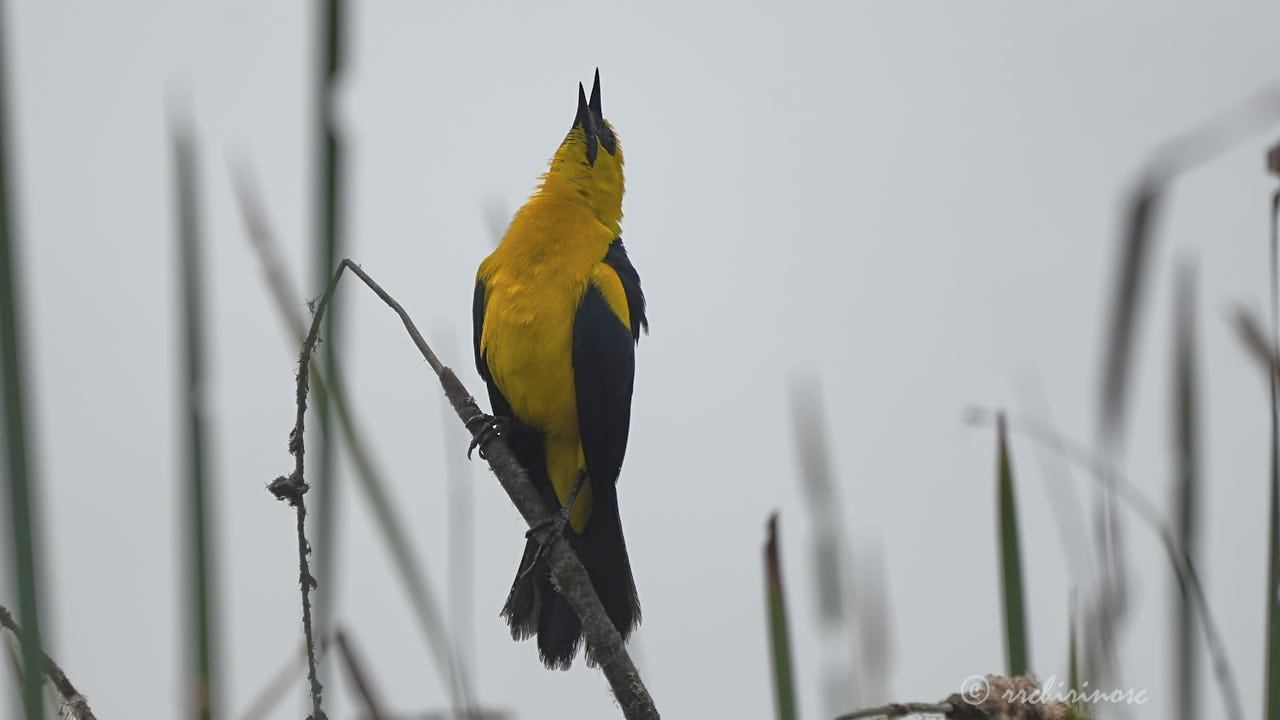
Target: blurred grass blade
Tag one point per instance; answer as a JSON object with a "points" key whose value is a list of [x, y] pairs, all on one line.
{"points": [[1186, 490], [1015, 622], [780, 639], [1153, 517], [1273, 549], [328, 251], [1173, 158], [359, 677], [1140, 209], [831, 555], [280, 683], [1079, 709], [20, 479], [1073, 652], [193, 398], [1267, 350]]}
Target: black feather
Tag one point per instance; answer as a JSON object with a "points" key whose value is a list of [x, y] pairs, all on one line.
{"points": [[617, 259]]}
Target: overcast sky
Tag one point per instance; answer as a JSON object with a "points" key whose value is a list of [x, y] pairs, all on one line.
{"points": [[916, 204]]}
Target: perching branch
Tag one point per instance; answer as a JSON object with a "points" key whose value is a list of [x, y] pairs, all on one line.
{"points": [[75, 702], [567, 572]]}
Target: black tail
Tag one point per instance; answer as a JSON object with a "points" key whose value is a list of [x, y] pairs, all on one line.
{"points": [[534, 606]]}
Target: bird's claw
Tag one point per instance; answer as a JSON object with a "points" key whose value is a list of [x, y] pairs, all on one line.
{"points": [[483, 429], [557, 522]]}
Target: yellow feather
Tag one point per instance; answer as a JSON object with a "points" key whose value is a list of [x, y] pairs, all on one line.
{"points": [[534, 283]]}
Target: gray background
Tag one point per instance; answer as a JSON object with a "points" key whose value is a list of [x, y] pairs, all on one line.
{"points": [[914, 203]]}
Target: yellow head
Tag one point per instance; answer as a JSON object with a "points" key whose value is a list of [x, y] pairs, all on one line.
{"points": [[588, 165]]}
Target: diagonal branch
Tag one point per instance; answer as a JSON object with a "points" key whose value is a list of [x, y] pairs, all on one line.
{"points": [[75, 702], [567, 573]]}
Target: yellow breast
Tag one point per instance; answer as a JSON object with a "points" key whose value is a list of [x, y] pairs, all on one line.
{"points": [[534, 282]]}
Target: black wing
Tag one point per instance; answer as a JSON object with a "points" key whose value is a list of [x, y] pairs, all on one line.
{"points": [[617, 259], [604, 370], [500, 406]]}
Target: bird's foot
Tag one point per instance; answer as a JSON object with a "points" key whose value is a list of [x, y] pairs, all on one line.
{"points": [[483, 429], [557, 522], [545, 532]]}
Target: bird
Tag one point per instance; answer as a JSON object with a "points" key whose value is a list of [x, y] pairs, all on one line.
{"points": [[557, 314]]}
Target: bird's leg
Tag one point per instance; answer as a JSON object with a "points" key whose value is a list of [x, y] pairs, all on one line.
{"points": [[560, 518], [483, 429], [557, 522]]}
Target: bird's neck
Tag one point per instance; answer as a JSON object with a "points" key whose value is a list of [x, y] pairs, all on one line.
{"points": [[602, 198]]}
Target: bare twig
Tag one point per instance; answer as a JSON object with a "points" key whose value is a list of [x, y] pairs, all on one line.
{"points": [[292, 489], [567, 573], [392, 528], [896, 710], [75, 702], [1183, 567], [990, 697]]}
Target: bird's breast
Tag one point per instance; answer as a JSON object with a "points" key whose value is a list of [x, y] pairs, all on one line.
{"points": [[528, 344]]}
